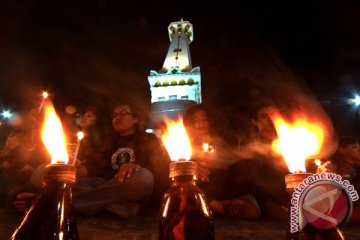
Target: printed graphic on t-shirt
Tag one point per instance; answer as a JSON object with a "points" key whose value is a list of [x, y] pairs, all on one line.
{"points": [[121, 156]]}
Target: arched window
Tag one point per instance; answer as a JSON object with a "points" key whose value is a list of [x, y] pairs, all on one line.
{"points": [[182, 82], [157, 83], [190, 81]]}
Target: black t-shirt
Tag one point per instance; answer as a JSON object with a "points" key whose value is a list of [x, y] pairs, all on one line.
{"points": [[140, 148]]}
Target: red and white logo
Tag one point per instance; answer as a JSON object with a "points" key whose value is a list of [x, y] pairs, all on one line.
{"points": [[325, 205]]}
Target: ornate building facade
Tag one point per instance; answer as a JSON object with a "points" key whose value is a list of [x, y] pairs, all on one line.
{"points": [[177, 84]]}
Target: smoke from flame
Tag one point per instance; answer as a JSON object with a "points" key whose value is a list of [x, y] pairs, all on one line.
{"points": [[176, 141], [52, 135]]}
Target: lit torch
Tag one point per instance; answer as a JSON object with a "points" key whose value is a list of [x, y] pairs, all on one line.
{"points": [[45, 95], [207, 148], [317, 162], [297, 140], [54, 140], [51, 216], [53, 137], [80, 135], [177, 143]]}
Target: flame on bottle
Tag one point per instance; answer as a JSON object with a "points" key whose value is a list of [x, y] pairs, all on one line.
{"points": [[297, 140], [52, 135], [176, 141]]}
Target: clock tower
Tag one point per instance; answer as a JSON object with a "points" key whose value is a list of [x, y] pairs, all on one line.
{"points": [[177, 85]]}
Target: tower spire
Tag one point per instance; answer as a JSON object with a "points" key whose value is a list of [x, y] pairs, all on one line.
{"points": [[177, 85], [178, 55]]}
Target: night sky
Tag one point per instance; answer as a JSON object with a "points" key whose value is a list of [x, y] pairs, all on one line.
{"points": [[87, 52]]}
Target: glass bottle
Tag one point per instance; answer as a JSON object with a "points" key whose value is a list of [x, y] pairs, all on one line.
{"points": [[52, 216], [306, 230], [184, 213]]}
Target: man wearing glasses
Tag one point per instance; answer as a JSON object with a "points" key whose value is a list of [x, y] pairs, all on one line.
{"points": [[137, 169]]}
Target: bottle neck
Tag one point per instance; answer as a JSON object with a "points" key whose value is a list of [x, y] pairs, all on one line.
{"points": [[184, 179]]}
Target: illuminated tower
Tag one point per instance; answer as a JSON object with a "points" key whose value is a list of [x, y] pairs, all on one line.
{"points": [[177, 85]]}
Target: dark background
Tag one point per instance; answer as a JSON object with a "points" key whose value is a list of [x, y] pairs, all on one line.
{"points": [[96, 52]]}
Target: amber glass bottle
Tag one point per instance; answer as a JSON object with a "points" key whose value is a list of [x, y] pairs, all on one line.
{"points": [[184, 213], [307, 231], [52, 216]]}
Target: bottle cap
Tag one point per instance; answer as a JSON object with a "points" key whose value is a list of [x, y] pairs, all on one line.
{"points": [[182, 168], [60, 173], [294, 179]]}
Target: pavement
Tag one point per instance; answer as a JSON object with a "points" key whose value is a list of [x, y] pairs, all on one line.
{"points": [[107, 226]]}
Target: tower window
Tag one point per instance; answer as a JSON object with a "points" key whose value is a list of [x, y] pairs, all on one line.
{"points": [[184, 97], [160, 99], [172, 97], [182, 82], [190, 81], [157, 84]]}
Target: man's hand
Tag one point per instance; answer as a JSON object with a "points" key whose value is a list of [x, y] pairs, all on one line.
{"points": [[126, 171]]}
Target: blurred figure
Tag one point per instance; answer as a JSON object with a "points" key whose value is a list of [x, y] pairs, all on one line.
{"points": [[213, 150], [347, 158], [136, 168], [260, 171], [15, 168], [90, 154], [347, 164], [38, 157]]}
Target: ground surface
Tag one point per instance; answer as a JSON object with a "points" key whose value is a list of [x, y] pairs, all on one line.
{"points": [[106, 226]]}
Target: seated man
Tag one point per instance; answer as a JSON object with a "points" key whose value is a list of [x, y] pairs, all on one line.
{"points": [[136, 169], [260, 171], [213, 150]]}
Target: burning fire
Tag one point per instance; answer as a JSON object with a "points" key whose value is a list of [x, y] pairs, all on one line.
{"points": [[317, 162], [80, 135], [177, 141], [52, 135], [297, 140], [45, 94]]}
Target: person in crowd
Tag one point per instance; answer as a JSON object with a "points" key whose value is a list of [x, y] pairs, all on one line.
{"points": [[38, 157], [213, 150], [89, 157], [346, 162], [15, 165], [347, 157], [136, 169], [260, 171]]}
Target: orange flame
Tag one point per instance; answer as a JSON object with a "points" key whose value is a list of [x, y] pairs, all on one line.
{"points": [[297, 140], [80, 135], [317, 162], [52, 135], [176, 141]]}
